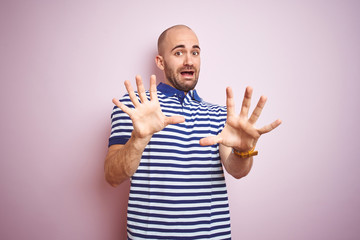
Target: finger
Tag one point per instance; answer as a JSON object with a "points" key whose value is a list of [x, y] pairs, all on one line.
{"points": [[230, 103], [174, 120], [270, 127], [257, 111], [246, 102], [211, 140], [153, 89], [122, 106], [141, 89], [132, 94]]}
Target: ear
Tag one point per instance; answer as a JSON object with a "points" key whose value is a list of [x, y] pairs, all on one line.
{"points": [[159, 60]]}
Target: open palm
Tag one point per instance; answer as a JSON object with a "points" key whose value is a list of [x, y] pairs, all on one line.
{"points": [[239, 131], [146, 116]]}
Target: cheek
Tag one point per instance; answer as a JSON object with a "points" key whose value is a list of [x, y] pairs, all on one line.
{"points": [[176, 67], [172, 63]]}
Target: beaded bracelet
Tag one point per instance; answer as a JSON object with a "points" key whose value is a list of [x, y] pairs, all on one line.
{"points": [[247, 154]]}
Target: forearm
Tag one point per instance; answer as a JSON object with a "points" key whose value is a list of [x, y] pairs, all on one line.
{"points": [[122, 161], [234, 165]]}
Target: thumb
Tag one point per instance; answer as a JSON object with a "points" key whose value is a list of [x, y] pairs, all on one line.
{"points": [[211, 140], [174, 120]]}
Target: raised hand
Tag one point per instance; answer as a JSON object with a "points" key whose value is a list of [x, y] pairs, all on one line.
{"points": [[239, 131], [147, 117]]}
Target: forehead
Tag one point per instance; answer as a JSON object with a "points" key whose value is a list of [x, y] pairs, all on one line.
{"points": [[180, 36]]}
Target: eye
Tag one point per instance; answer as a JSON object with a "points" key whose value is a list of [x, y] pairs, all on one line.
{"points": [[178, 53], [195, 53]]}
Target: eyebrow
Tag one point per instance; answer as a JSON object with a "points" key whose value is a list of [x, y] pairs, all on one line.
{"points": [[183, 46]]}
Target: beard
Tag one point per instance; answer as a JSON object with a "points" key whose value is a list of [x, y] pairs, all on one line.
{"points": [[173, 76]]}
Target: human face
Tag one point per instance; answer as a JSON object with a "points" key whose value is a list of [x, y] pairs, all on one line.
{"points": [[180, 59]]}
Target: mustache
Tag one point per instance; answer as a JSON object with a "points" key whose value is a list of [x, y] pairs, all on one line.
{"points": [[187, 69]]}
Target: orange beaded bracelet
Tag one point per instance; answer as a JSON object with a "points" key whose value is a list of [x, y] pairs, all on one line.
{"points": [[247, 154]]}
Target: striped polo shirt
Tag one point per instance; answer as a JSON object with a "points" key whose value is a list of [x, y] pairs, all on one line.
{"points": [[178, 190]]}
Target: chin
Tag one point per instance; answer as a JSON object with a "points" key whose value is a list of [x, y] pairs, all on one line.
{"points": [[181, 83], [188, 87]]}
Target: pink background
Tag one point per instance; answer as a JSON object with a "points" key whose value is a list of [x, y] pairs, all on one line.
{"points": [[63, 61]]}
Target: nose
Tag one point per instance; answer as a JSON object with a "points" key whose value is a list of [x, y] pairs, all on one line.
{"points": [[188, 60]]}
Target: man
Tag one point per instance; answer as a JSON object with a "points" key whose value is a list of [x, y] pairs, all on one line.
{"points": [[174, 146]]}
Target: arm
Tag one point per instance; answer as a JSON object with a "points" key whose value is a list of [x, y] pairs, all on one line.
{"points": [[235, 166], [147, 118], [239, 133], [122, 161]]}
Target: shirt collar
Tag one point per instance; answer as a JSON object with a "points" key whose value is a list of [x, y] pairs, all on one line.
{"points": [[170, 91]]}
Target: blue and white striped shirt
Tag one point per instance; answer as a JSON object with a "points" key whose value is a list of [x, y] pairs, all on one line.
{"points": [[178, 190]]}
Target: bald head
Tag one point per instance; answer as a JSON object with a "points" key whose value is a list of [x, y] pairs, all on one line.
{"points": [[179, 57], [164, 34]]}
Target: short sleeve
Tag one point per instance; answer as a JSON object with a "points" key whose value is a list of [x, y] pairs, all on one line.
{"points": [[121, 124]]}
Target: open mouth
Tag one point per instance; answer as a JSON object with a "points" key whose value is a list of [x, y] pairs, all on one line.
{"points": [[187, 73]]}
